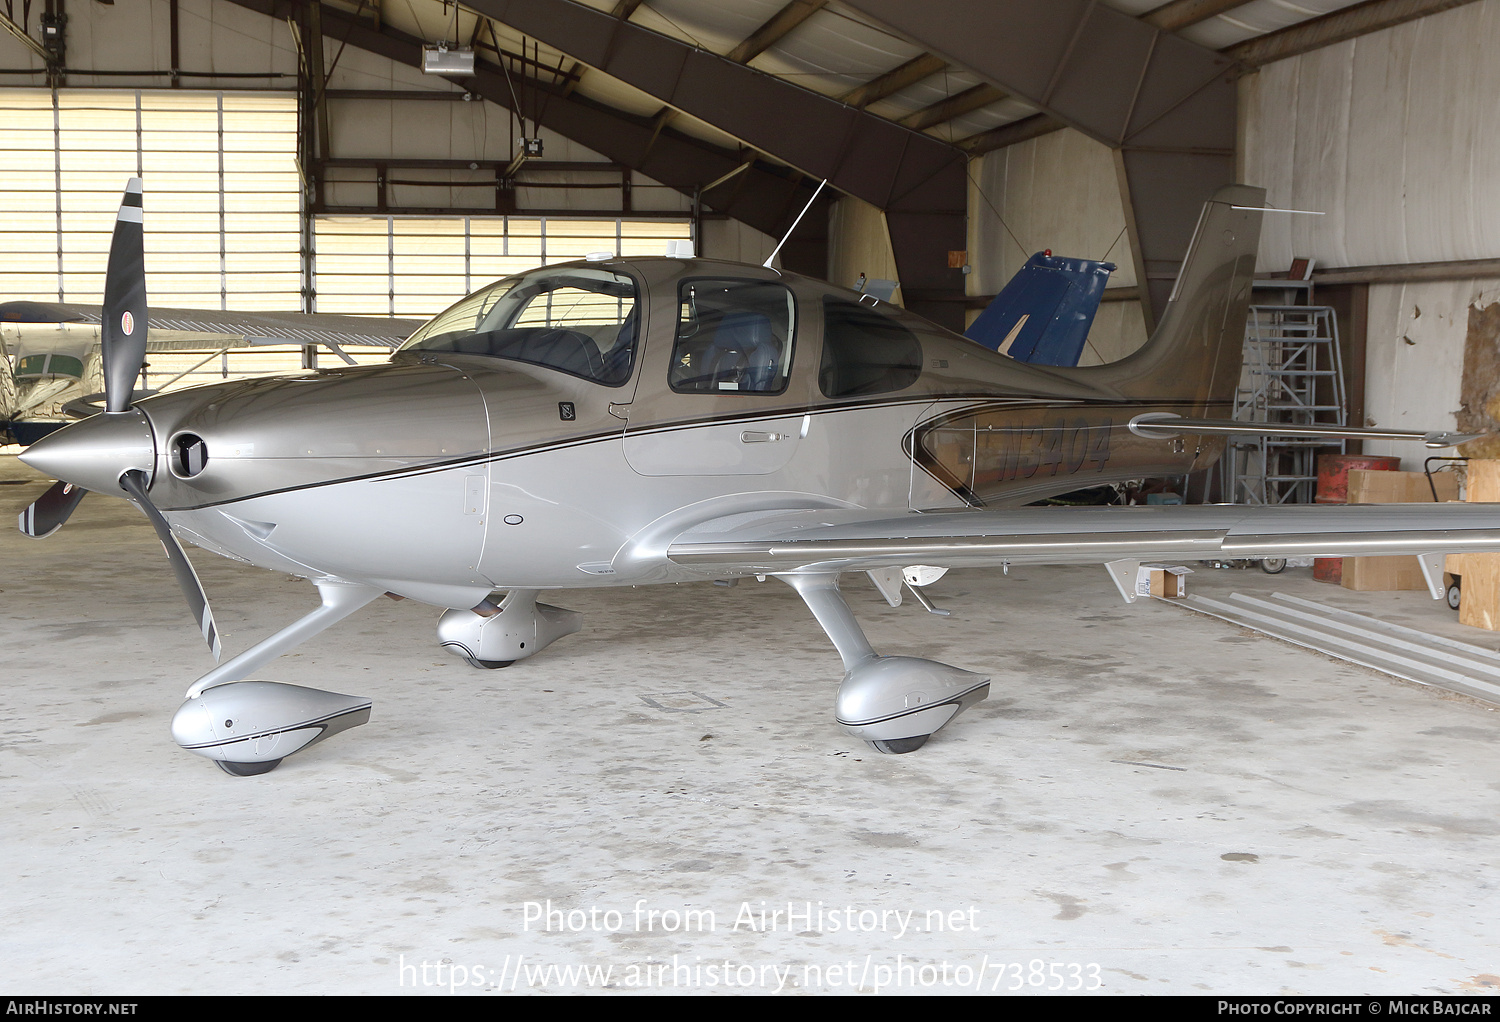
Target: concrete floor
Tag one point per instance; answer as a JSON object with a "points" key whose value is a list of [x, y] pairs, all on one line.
{"points": [[1151, 801]]}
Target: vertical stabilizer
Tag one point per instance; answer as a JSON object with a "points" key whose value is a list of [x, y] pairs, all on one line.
{"points": [[1193, 358]]}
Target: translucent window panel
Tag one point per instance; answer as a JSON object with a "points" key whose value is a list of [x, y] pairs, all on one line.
{"points": [[428, 264], [524, 239], [352, 265], [283, 225], [261, 241], [214, 165], [184, 243], [253, 265], [500, 247], [417, 266], [33, 286], [650, 237], [574, 239], [29, 232]]}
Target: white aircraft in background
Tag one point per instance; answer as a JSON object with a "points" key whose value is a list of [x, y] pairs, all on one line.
{"points": [[55, 351]]}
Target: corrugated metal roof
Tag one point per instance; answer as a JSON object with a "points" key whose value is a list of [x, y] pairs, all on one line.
{"points": [[836, 50]]}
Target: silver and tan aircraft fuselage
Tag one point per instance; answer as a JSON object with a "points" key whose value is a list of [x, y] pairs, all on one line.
{"points": [[445, 476]]}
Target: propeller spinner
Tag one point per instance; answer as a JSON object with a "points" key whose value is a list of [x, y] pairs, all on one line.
{"points": [[115, 452]]}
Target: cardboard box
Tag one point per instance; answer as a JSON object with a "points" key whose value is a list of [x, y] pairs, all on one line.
{"points": [[1367, 487], [1169, 581], [1391, 574], [1382, 574]]}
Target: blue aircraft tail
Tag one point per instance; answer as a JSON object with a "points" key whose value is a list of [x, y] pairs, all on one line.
{"points": [[1043, 315]]}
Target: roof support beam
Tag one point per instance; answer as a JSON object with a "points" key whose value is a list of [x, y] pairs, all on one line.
{"points": [[923, 65], [675, 160], [1165, 105], [1180, 14], [623, 9], [1315, 33], [1303, 37], [954, 106], [919, 181], [782, 22], [1023, 130], [318, 78]]}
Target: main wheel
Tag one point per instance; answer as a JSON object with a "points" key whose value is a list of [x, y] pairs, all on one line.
{"points": [[899, 746], [1273, 565], [247, 769], [1454, 596]]}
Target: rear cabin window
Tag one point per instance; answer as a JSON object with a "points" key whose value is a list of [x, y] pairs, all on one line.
{"points": [[865, 352], [733, 337]]}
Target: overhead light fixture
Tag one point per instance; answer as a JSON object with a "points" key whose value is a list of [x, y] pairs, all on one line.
{"points": [[440, 60]]}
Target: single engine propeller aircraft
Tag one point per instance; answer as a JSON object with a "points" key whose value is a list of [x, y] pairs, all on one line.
{"points": [[624, 422]]}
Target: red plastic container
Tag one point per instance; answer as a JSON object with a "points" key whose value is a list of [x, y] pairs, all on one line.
{"points": [[1333, 488]]}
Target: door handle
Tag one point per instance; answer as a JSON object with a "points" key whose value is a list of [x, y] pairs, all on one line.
{"points": [[755, 436]]}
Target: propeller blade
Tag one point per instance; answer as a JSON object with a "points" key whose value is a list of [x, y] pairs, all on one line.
{"points": [[122, 328], [134, 482], [49, 511]]}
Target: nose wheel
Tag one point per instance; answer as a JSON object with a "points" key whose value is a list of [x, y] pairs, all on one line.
{"points": [[248, 769], [488, 665], [898, 746]]}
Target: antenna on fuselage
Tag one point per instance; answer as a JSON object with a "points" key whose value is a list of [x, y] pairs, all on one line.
{"points": [[789, 230]]}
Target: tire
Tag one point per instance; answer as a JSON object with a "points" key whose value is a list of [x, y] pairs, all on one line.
{"points": [[1273, 565], [1454, 596], [248, 769]]}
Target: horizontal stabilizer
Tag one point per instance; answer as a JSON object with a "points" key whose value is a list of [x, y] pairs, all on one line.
{"points": [[1043, 315]]}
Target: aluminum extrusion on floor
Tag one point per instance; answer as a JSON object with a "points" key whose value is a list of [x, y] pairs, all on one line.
{"points": [[1403, 652]]}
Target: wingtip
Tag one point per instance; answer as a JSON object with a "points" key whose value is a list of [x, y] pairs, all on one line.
{"points": [[1438, 441]]}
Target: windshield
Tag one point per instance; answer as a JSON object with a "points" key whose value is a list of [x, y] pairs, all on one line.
{"points": [[579, 320]]}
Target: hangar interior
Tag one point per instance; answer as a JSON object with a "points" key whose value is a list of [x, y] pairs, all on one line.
{"points": [[1150, 801]]}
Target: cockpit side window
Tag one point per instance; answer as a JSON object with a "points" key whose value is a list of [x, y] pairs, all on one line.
{"points": [[865, 351], [583, 321], [733, 337]]}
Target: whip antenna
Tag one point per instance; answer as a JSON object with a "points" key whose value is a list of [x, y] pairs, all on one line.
{"points": [[795, 222]]}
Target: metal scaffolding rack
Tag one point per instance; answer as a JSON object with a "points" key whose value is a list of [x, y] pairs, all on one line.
{"points": [[1294, 374]]}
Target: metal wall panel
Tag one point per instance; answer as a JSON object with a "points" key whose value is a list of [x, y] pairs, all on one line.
{"points": [[1395, 136]]}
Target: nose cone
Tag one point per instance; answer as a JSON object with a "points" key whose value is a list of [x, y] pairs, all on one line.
{"points": [[95, 452]]}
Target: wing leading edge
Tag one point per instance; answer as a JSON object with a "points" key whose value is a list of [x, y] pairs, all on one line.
{"points": [[856, 540]]}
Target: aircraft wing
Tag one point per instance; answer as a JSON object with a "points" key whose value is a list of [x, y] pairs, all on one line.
{"points": [[284, 327], [859, 540], [196, 329]]}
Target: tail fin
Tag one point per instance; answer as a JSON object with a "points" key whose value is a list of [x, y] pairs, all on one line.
{"points": [[1043, 315], [1193, 358]]}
